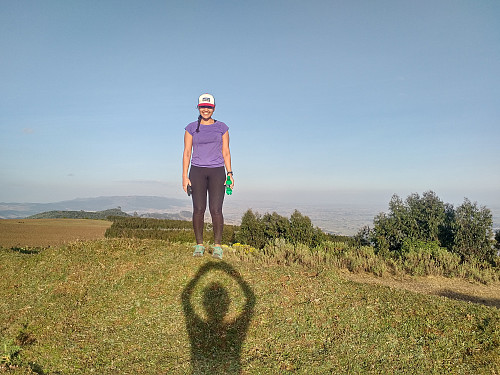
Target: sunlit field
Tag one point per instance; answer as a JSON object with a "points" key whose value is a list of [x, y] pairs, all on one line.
{"points": [[49, 232]]}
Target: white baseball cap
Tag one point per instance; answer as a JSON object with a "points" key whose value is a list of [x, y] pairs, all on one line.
{"points": [[206, 100]]}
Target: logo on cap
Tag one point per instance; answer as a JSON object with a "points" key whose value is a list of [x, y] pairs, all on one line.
{"points": [[207, 100]]}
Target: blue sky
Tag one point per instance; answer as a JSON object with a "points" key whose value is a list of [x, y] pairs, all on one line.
{"points": [[326, 101]]}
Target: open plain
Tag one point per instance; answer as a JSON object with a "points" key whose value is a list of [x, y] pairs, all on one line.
{"points": [[49, 232]]}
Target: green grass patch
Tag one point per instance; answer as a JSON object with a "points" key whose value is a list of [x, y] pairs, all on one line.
{"points": [[129, 306]]}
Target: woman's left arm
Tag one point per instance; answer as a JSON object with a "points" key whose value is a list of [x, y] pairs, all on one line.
{"points": [[227, 155]]}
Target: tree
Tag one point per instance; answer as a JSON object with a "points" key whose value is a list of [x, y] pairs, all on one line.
{"points": [[257, 231], [446, 230], [426, 215], [251, 230], [472, 232], [301, 229], [497, 239], [391, 229], [466, 231], [275, 226]]}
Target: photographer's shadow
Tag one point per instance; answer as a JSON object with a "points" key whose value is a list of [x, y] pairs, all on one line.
{"points": [[216, 343]]}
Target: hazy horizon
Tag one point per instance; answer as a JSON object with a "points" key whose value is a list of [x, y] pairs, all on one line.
{"points": [[337, 217], [297, 197]]}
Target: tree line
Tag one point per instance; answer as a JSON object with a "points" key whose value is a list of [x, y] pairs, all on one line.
{"points": [[418, 224], [258, 230], [426, 222], [98, 215]]}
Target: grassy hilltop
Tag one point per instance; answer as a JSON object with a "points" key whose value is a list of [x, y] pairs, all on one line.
{"points": [[126, 306]]}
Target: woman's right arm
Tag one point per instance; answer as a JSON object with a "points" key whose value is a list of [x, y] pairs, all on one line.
{"points": [[186, 159]]}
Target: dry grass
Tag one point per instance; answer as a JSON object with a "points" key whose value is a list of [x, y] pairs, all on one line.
{"points": [[49, 232]]}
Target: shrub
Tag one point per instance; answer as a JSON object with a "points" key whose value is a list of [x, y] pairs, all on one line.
{"points": [[418, 218], [251, 231], [364, 237], [426, 220], [257, 231], [301, 229], [170, 230], [428, 258], [472, 232]]}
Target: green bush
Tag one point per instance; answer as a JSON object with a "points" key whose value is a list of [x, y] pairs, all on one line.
{"points": [[473, 233], [428, 258], [257, 231], [170, 230], [251, 231], [427, 221], [419, 246]]}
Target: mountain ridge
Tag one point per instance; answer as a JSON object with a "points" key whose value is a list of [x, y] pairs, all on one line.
{"points": [[129, 204]]}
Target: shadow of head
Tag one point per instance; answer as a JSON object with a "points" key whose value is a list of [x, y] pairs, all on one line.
{"points": [[216, 302]]}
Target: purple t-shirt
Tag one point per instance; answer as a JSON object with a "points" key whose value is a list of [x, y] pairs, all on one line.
{"points": [[207, 144]]}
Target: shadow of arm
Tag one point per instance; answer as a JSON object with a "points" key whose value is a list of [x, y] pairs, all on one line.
{"points": [[188, 290]]}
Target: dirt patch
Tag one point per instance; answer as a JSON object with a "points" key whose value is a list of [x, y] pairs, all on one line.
{"points": [[454, 288]]}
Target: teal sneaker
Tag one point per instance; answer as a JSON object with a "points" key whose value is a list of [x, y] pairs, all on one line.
{"points": [[198, 251], [217, 253]]}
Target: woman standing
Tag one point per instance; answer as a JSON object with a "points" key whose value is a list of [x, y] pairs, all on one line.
{"points": [[206, 147]]}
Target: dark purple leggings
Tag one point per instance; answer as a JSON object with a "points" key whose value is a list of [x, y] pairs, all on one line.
{"points": [[209, 180]]}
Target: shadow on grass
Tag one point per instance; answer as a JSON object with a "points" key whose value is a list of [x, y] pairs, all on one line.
{"points": [[465, 297], [26, 250], [215, 343], [37, 369]]}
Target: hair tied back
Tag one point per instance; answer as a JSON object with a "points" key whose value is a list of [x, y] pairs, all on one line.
{"points": [[198, 127]]}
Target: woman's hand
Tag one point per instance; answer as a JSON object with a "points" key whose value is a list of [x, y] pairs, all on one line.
{"points": [[185, 182], [232, 180]]}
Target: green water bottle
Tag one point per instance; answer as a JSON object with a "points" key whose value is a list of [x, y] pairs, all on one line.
{"points": [[229, 191]]}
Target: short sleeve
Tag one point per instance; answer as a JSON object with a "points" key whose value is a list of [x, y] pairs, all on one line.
{"points": [[191, 127], [223, 128]]}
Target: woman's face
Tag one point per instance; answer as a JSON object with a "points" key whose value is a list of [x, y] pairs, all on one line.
{"points": [[206, 112]]}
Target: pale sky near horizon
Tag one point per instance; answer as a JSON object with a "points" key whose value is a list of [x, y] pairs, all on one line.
{"points": [[334, 101]]}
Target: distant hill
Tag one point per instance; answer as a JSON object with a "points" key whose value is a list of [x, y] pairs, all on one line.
{"points": [[130, 204], [99, 215]]}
